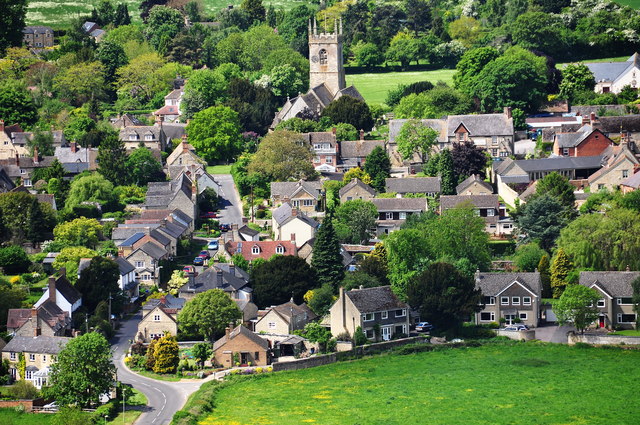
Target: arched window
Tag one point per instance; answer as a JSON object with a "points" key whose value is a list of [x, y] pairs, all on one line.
{"points": [[279, 249], [323, 57], [255, 249]]}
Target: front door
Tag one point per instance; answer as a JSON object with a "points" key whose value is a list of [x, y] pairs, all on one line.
{"points": [[386, 333], [601, 321], [244, 358]]}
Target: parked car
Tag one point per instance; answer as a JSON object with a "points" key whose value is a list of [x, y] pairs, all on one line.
{"points": [[213, 245], [204, 254], [424, 327], [209, 214], [225, 227], [516, 328], [190, 269], [198, 261]]}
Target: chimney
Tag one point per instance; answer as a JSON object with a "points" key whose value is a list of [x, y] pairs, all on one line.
{"points": [[361, 134], [334, 130], [52, 289], [121, 252], [185, 147], [192, 281], [507, 111], [343, 304], [628, 269], [17, 159], [219, 281], [235, 233], [37, 331], [35, 155], [74, 147], [592, 118], [1, 125], [232, 269], [228, 329], [294, 212]]}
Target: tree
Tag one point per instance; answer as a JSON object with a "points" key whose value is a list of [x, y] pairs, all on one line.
{"points": [[416, 138], [81, 82], [121, 16], [367, 54], [315, 332], [557, 186], [90, 188], [112, 57], [282, 155], [357, 279], [83, 372], [542, 220], [16, 103], [112, 158], [545, 277], [418, 15], [25, 218], [12, 23], [163, 25], [44, 142], [350, 110], [280, 279], [327, 260], [440, 100], [528, 257], [578, 306], [576, 78], [285, 80], [354, 221], [177, 281], [255, 9], [215, 133], [375, 264], [79, 232], [378, 166], [9, 298], [69, 258], [165, 353], [98, 282], [466, 30], [560, 269], [14, 260], [201, 352], [444, 296], [447, 173], [320, 299], [209, 313], [404, 49], [356, 173], [470, 66], [204, 89], [143, 167], [468, 159]]}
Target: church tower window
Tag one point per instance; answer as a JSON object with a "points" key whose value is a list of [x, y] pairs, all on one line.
{"points": [[323, 57]]}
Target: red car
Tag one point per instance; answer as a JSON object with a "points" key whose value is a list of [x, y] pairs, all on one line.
{"points": [[190, 269], [209, 214]]}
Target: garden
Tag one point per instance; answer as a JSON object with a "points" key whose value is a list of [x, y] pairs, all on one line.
{"points": [[499, 382]]}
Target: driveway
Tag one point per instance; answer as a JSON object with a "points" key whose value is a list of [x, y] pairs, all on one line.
{"points": [[554, 333], [165, 398]]}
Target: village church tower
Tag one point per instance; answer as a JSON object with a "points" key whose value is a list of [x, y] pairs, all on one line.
{"points": [[325, 58]]}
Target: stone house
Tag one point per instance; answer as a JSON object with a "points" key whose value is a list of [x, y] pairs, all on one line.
{"points": [[616, 304], [240, 345], [180, 193], [353, 153], [285, 318], [392, 212], [289, 223], [47, 319], [325, 150], [304, 195], [356, 189], [497, 222], [39, 352], [171, 111], [631, 183], [611, 77], [429, 186], [370, 309], [587, 141], [146, 259], [37, 37], [127, 280], [159, 317], [474, 185], [152, 136], [174, 216], [60, 292], [619, 164], [509, 296], [184, 154]]}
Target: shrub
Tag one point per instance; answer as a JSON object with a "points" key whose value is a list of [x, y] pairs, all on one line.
{"points": [[359, 338], [24, 390], [14, 260]]}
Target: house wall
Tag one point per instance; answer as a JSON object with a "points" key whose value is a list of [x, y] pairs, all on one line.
{"points": [[61, 302], [498, 310], [303, 232], [39, 360], [224, 355], [355, 192], [148, 326], [507, 194], [612, 179], [476, 189], [185, 204], [298, 202], [149, 263], [345, 317], [278, 324], [626, 79], [28, 329], [593, 145]]}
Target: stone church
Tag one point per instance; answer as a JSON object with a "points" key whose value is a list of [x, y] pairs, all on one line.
{"points": [[326, 76]]}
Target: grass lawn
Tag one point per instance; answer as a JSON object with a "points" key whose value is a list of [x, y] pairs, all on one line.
{"points": [[219, 169], [628, 332], [130, 416], [374, 87], [12, 417], [530, 383], [633, 3]]}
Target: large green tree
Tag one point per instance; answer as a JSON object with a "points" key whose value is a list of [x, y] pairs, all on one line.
{"points": [[25, 218], [280, 279], [11, 23], [378, 166], [577, 305], [9, 298], [327, 259], [528, 257], [79, 232], [283, 155], [355, 220], [98, 282], [468, 159], [350, 110], [204, 89], [443, 295], [112, 57], [560, 269], [215, 133], [16, 104], [143, 167], [541, 220], [91, 188], [165, 353], [81, 82], [163, 24], [575, 78], [416, 138], [557, 186], [470, 65], [209, 313], [112, 158], [83, 371]]}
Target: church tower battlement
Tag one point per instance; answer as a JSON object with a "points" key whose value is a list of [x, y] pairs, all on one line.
{"points": [[325, 58]]}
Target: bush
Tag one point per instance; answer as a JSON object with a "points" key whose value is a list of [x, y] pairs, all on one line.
{"points": [[24, 390], [14, 260], [108, 410], [359, 338]]}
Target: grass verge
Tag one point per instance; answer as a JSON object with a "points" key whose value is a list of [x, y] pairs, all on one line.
{"points": [[627, 332]]}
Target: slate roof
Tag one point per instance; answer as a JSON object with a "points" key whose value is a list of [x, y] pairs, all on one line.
{"points": [[359, 148], [630, 123], [162, 193], [174, 130], [551, 164], [68, 291], [610, 71], [302, 217], [167, 302], [241, 331], [479, 201], [369, 300], [267, 248], [481, 125], [81, 156], [400, 204], [152, 250], [288, 189], [356, 182], [632, 181], [492, 284], [125, 266], [126, 120], [248, 231], [475, 178], [281, 213], [219, 277], [319, 137], [48, 312], [140, 132], [37, 344], [413, 185], [35, 29], [131, 240], [617, 284], [290, 309]]}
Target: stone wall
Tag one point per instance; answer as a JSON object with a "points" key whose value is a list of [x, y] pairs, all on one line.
{"points": [[573, 338], [517, 335], [305, 363]]}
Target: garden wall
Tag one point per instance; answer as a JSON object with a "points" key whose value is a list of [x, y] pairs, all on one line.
{"points": [[27, 404], [573, 338], [517, 335]]}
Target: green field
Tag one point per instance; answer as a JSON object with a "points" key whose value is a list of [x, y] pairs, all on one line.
{"points": [[633, 3], [374, 87], [12, 417], [530, 383]]}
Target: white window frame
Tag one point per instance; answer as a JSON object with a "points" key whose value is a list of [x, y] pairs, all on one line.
{"points": [[32, 357], [255, 250], [625, 314], [523, 316], [403, 312], [279, 249], [403, 216], [28, 374], [625, 174], [385, 315], [328, 160], [492, 301], [12, 356], [156, 317], [565, 151], [619, 301], [492, 316], [296, 203], [368, 317], [148, 137], [139, 264], [307, 202], [491, 212], [602, 303], [526, 300], [388, 216], [23, 171], [504, 300], [145, 277], [27, 182], [369, 333], [515, 300], [271, 325]]}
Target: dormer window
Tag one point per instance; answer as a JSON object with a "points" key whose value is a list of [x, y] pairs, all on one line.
{"points": [[148, 137], [255, 250], [133, 136], [279, 249]]}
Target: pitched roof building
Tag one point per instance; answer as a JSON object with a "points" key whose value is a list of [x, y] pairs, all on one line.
{"points": [[429, 186], [613, 76]]}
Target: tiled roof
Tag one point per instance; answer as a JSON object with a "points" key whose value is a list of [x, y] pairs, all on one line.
{"points": [[68, 291], [290, 309], [281, 213], [218, 277], [400, 204], [267, 249], [413, 185], [479, 201], [632, 181], [248, 231], [356, 182], [124, 266], [492, 284], [153, 250], [131, 240], [359, 148], [370, 300], [288, 189], [617, 284], [319, 137], [37, 344], [474, 178], [241, 331], [607, 71], [481, 125], [168, 302]]}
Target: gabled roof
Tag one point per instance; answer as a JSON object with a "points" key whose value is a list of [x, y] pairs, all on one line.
{"points": [[551, 164], [289, 189], [479, 201], [491, 284], [167, 302], [617, 284], [400, 204], [140, 132], [359, 148], [154, 251], [611, 71], [439, 125], [481, 125], [281, 213], [242, 332], [303, 218], [267, 249], [473, 179], [220, 276], [290, 309], [131, 240], [246, 230], [37, 344], [124, 266], [68, 291], [369, 300], [413, 185], [632, 181], [357, 182]]}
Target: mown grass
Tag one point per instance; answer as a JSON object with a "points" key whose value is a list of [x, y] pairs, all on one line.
{"points": [[14, 417], [633, 3], [374, 87], [527, 383], [219, 169], [627, 332]]}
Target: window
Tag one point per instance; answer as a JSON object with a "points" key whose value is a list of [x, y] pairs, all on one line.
{"points": [[625, 174], [494, 152], [487, 316], [316, 159], [279, 249], [296, 203], [504, 300], [349, 198], [156, 318], [27, 182], [255, 250], [323, 57], [385, 314], [29, 374], [272, 325], [328, 160], [133, 136], [369, 333], [368, 317], [526, 300], [317, 146], [307, 203], [625, 301], [489, 301], [600, 186], [32, 357], [23, 171], [401, 313], [602, 302], [139, 264], [44, 358], [389, 215], [146, 276], [515, 300], [403, 216], [490, 212], [507, 226], [565, 151], [12, 356], [523, 316], [256, 355], [626, 318], [493, 226], [504, 154]]}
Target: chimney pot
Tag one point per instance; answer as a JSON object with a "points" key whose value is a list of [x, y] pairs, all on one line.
{"points": [[293, 237], [52, 289], [74, 147], [507, 111], [592, 118], [35, 155], [334, 130], [361, 134]]}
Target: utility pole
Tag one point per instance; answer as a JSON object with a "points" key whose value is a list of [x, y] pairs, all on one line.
{"points": [[251, 205]]}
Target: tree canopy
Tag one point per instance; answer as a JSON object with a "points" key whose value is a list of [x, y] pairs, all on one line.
{"points": [[350, 110], [416, 138], [280, 279], [378, 166], [282, 156], [354, 221], [209, 313], [327, 259], [215, 133], [577, 305], [98, 282]]}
